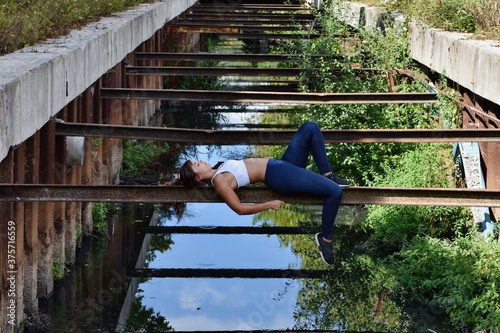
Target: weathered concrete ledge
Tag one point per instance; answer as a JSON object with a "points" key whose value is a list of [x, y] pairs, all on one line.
{"points": [[38, 81], [473, 64]]}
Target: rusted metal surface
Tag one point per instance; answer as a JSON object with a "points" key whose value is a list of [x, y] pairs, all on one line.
{"points": [[206, 15], [228, 273], [250, 7], [195, 20], [216, 29], [213, 71], [157, 194], [270, 137], [233, 71], [237, 57], [269, 97], [269, 36]]}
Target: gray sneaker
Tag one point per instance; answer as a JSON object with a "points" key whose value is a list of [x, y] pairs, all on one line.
{"points": [[325, 249]]}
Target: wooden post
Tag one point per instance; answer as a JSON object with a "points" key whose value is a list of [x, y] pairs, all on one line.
{"points": [[60, 207], [86, 174], [31, 217], [8, 319], [71, 177], [46, 221], [19, 163]]}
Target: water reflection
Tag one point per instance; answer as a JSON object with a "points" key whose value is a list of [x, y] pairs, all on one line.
{"points": [[352, 297]]}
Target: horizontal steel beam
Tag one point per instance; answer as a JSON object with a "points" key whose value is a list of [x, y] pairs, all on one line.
{"points": [[236, 57], [269, 97], [231, 71], [213, 71], [229, 15], [239, 7], [228, 273], [246, 16], [232, 29], [270, 36], [157, 194], [272, 137], [200, 20]]}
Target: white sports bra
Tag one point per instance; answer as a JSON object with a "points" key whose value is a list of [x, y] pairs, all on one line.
{"points": [[237, 168]]}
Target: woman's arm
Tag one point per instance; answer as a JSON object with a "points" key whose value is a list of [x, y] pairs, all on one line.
{"points": [[227, 194]]}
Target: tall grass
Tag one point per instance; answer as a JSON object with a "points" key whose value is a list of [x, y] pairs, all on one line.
{"points": [[474, 16], [25, 22]]}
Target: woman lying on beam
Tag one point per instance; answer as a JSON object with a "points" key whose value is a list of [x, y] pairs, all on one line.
{"points": [[287, 175]]}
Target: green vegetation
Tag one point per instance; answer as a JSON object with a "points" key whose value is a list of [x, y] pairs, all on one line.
{"points": [[100, 211], [59, 269], [407, 254], [475, 16], [139, 155], [25, 22]]}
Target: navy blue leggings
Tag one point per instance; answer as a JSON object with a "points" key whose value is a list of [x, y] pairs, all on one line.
{"points": [[289, 175]]}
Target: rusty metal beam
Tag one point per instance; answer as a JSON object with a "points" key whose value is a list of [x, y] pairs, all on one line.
{"points": [[216, 29], [229, 16], [201, 20], [244, 24], [269, 97], [236, 57], [269, 137], [270, 36], [157, 194], [228, 273], [231, 71], [240, 7], [213, 71]]}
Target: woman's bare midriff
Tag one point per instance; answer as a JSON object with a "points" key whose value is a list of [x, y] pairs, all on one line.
{"points": [[256, 168]]}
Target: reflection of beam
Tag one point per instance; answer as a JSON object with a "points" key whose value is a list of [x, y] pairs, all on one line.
{"points": [[352, 195], [223, 230], [228, 273], [268, 97], [270, 137]]}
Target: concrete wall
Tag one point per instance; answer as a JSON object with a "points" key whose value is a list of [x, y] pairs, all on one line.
{"points": [[37, 82], [473, 64]]}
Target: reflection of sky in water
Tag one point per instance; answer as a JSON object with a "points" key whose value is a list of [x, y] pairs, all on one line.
{"points": [[222, 304]]}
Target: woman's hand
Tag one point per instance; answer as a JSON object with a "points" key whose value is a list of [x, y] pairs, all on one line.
{"points": [[276, 204]]}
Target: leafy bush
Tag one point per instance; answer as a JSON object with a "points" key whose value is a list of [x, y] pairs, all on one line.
{"points": [[428, 165], [462, 276], [137, 155]]}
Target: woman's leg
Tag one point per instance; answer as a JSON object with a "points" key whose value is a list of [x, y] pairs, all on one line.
{"points": [[285, 177], [308, 138]]}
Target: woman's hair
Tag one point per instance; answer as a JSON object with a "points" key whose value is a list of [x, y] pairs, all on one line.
{"points": [[187, 175]]}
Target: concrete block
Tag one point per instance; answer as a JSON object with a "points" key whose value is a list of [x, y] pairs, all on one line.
{"points": [[38, 81], [473, 64]]}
